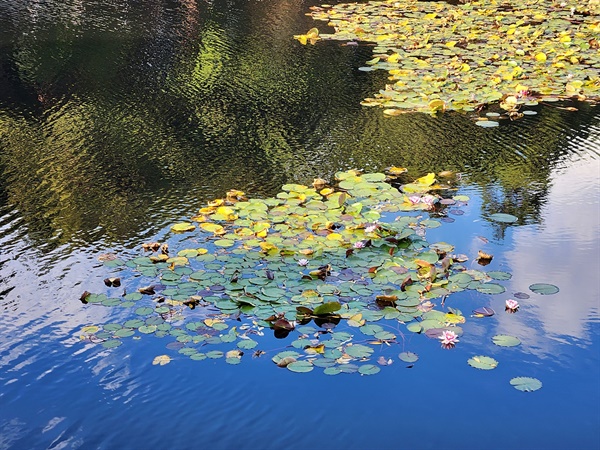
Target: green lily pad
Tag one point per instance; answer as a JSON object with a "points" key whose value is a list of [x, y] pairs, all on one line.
{"points": [[300, 366], [544, 288], [526, 384], [408, 357], [183, 227], [144, 311], [285, 354], [368, 369], [483, 362], [499, 275], [247, 344], [487, 123], [124, 332], [504, 218], [335, 370], [112, 343], [327, 308], [504, 340], [491, 288], [359, 351]]}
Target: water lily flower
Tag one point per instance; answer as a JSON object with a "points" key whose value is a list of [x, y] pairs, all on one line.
{"points": [[511, 306], [414, 199], [359, 244], [448, 338], [428, 199], [371, 228], [303, 262]]}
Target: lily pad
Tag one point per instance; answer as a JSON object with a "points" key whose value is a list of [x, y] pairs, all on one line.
{"points": [[504, 218], [359, 351], [161, 360], [544, 288], [408, 357], [487, 123], [504, 340], [300, 366], [491, 288], [526, 384], [112, 343], [483, 362], [368, 369], [183, 227], [247, 344]]}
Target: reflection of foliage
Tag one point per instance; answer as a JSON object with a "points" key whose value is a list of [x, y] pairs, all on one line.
{"points": [[458, 57], [104, 132], [291, 260]]}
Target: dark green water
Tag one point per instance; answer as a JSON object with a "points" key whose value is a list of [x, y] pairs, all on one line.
{"points": [[120, 118]]}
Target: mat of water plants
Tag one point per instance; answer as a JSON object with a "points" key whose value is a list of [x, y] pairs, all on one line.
{"points": [[338, 274], [462, 56]]}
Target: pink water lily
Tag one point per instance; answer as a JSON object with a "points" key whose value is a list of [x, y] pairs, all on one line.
{"points": [[359, 244], [371, 228], [448, 338], [303, 262], [511, 306], [428, 199], [414, 199]]}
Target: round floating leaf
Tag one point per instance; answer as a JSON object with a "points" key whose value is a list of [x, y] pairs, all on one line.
{"points": [[112, 343], [224, 243], [183, 227], [408, 357], [214, 354], [198, 356], [349, 368], [504, 218], [526, 384], [286, 354], [327, 308], [359, 351], [332, 370], [415, 327], [521, 295], [247, 344], [544, 288], [487, 123], [147, 329], [483, 362], [300, 366], [369, 369], [124, 332], [371, 329], [499, 275], [504, 340], [134, 323], [161, 360], [385, 336], [144, 311], [491, 288]]}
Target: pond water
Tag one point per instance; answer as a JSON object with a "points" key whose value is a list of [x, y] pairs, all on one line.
{"points": [[120, 118]]}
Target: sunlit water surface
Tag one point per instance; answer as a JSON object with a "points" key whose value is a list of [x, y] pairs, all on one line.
{"points": [[118, 119]]}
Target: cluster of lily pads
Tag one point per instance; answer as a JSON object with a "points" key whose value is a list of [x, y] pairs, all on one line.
{"points": [[344, 270], [449, 56]]}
